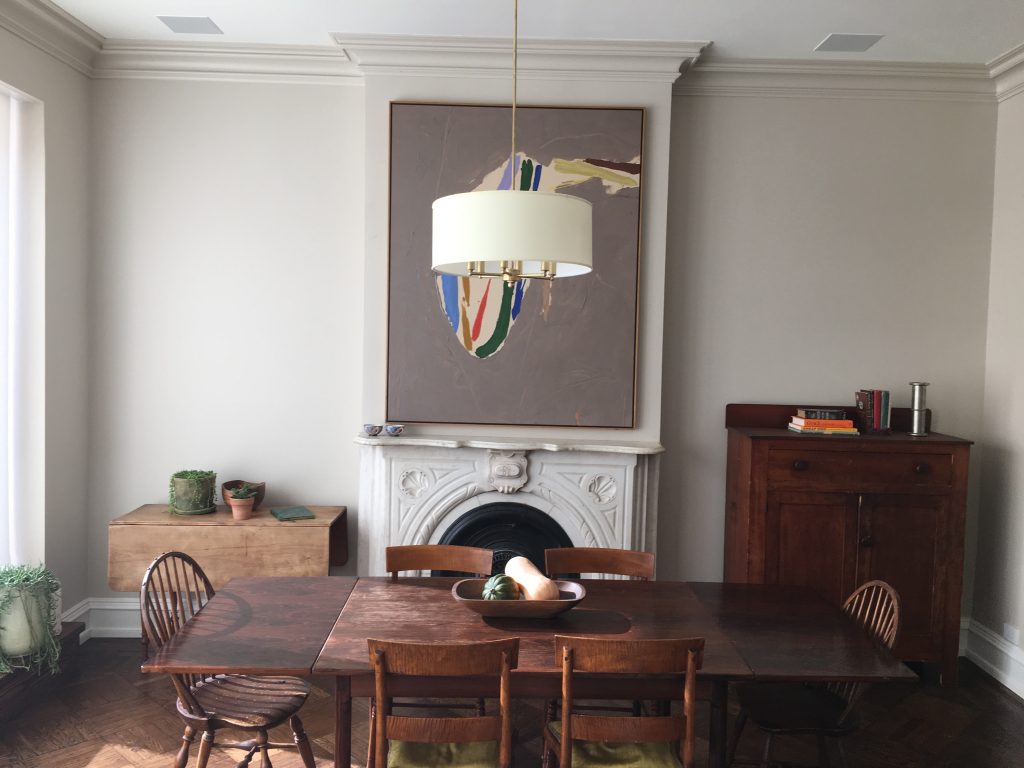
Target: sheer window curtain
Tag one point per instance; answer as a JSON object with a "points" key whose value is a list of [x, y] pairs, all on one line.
{"points": [[22, 361]]}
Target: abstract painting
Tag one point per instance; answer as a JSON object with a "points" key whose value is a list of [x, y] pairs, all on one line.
{"points": [[476, 350]]}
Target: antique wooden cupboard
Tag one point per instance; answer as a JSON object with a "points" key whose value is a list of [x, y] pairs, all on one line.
{"points": [[831, 512]]}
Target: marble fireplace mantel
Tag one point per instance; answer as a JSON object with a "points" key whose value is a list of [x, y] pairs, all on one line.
{"points": [[413, 488]]}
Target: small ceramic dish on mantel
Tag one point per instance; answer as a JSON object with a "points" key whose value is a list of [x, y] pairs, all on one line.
{"points": [[469, 592]]}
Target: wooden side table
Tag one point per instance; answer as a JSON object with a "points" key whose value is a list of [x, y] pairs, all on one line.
{"points": [[259, 546]]}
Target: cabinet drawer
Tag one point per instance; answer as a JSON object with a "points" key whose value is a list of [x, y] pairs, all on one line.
{"points": [[854, 469]]}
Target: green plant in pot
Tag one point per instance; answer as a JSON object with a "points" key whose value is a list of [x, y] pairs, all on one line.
{"points": [[29, 596], [241, 499], [191, 492]]}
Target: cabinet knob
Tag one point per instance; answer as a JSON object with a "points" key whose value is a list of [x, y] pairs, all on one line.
{"points": [[923, 469], [800, 465], [867, 541]]}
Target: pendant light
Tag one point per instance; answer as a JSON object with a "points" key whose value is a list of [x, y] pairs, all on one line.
{"points": [[512, 234]]}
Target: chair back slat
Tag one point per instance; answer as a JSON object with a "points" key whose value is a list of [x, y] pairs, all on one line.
{"points": [[588, 654], [443, 730], [495, 658], [618, 562], [174, 589], [875, 605], [475, 561]]}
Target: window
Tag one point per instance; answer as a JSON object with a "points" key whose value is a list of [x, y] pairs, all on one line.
{"points": [[22, 385]]}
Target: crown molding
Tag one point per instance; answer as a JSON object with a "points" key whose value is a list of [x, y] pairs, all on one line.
{"points": [[127, 59], [53, 31], [837, 79], [607, 60], [1008, 72]]}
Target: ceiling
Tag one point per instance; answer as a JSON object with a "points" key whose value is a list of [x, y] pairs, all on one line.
{"points": [[948, 31]]}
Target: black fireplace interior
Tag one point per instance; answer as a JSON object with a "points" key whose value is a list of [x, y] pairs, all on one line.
{"points": [[509, 529]]}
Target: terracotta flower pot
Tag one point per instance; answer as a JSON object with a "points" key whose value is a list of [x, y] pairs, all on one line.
{"points": [[241, 509], [261, 491]]}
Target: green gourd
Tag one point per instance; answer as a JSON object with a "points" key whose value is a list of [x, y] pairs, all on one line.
{"points": [[501, 587]]}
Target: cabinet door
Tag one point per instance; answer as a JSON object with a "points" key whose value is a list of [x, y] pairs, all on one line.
{"points": [[811, 541], [902, 541]]}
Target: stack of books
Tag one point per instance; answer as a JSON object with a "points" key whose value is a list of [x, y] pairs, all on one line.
{"points": [[873, 410], [814, 420]]}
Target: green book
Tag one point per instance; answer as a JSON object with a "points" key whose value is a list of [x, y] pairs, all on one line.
{"points": [[284, 514]]}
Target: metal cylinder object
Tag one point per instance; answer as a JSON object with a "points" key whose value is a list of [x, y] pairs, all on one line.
{"points": [[918, 412]]}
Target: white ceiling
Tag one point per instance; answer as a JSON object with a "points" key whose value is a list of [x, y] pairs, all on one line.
{"points": [[951, 31]]}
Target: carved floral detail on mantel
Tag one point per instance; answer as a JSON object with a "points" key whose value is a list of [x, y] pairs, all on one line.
{"points": [[413, 482], [602, 488], [508, 470]]}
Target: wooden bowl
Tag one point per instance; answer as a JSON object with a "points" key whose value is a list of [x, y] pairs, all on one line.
{"points": [[261, 491], [468, 592]]}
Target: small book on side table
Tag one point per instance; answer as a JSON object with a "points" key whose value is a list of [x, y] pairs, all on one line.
{"points": [[284, 514]]}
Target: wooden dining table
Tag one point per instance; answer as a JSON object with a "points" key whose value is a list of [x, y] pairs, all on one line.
{"points": [[320, 625]]}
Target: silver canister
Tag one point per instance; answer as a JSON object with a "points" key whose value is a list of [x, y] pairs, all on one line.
{"points": [[917, 408]]}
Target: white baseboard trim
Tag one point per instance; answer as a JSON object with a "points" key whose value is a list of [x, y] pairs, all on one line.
{"points": [[1001, 659], [106, 617]]}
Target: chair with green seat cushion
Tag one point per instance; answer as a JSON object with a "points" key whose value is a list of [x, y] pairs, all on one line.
{"points": [[466, 742], [597, 740]]}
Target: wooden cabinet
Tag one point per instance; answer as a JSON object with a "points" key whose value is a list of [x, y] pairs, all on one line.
{"points": [[831, 512]]}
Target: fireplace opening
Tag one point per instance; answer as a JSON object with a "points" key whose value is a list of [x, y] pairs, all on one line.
{"points": [[510, 529]]}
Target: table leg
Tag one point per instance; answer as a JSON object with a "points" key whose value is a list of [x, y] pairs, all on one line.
{"points": [[342, 722], [718, 722]]}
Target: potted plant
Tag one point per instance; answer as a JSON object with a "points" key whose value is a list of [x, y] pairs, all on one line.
{"points": [[191, 492], [261, 490], [241, 499], [29, 619]]}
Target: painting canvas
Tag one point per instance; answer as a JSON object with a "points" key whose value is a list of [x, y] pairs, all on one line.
{"points": [[475, 351]]}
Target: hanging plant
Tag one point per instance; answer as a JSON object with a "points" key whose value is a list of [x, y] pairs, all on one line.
{"points": [[28, 619]]}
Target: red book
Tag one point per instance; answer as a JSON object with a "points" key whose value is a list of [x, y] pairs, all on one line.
{"points": [[876, 405], [823, 423]]}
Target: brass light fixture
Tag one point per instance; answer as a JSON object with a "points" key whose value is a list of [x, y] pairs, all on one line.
{"points": [[482, 234]]}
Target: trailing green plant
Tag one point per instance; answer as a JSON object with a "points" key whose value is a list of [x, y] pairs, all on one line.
{"points": [[202, 493], [243, 491], [28, 583]]}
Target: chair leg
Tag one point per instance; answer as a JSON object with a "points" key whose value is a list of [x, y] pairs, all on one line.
{"points": [[842, 753], [302, 743], [371, 745], [181, 759], [264, 748], [766, 758], [205, 747], [737, 732]]}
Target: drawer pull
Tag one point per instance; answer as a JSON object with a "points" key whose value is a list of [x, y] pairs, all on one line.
{"points": [[923, 469], [800, 465], [867, 541]]}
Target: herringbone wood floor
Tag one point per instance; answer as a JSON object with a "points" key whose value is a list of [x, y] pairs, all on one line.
{"points": [[116, 717]]}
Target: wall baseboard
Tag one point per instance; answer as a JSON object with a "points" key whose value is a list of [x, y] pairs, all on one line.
{"points": [[999, 658], [106, 617]]}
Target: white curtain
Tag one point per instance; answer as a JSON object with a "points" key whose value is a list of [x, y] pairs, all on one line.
{"points": [[21, 363]]}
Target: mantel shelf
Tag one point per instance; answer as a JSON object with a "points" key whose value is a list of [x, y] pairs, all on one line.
{"points": [[514, 444]]}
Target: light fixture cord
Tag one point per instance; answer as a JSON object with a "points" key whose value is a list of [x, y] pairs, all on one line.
{"points": [[515, 79]]}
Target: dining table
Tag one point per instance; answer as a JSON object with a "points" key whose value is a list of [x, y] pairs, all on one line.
{"points": [[320, 626]]}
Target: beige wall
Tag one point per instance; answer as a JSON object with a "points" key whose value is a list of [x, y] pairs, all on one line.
{"points": [[999, 595], [65, 97], [228, 291], [816, 246]]}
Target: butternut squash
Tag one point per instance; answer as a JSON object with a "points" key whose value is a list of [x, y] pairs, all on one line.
{"points": [[534, 584]]}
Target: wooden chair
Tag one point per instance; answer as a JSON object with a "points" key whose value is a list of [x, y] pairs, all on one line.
{"points": [[585, 740], [174, 589], [438, 557], [450, 741], [620, 562], [825, 711]]}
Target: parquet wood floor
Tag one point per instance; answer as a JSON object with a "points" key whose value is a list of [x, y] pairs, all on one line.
{"points": [[116, 717]]}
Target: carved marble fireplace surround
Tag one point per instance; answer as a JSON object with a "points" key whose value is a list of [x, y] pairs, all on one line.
{"points": [[602, 494]]}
